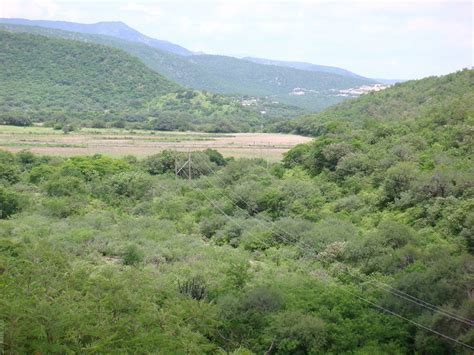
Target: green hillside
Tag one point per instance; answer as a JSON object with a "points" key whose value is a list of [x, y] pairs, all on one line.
{"points": [[406, 101], [360, 242], [41, 73], [226, 75], [58, 80]]}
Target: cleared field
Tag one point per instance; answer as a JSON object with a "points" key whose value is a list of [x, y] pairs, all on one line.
{"points": [[120, 142]]}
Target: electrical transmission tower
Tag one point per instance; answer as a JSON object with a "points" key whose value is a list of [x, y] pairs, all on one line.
{"points": [[179, 167]]}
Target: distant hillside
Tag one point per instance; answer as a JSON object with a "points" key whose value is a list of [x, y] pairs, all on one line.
{"points": [[114, 29], [226, 75], [43, 73], [270, 79], [58, 80], [306, 66], [409, 100]]}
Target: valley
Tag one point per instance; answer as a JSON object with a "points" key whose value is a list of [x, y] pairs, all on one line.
{"points": [[158, 201], [207, 72]]}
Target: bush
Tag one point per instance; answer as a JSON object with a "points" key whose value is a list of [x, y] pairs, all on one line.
{"points": [[132, 255], [399, 179], [215, 157], [9, 203], [64, 186], [63, 206], [97, 165], [41, 173], [9, 173], [297, 333], [127, 185], [15, 119], [160, 163], [393, 234]]}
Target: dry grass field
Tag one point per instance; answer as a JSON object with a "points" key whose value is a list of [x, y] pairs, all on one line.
{"points": [[120, 142]]}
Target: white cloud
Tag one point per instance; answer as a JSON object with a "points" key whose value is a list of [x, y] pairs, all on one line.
{"points": [[28, 8], [146, 9]]}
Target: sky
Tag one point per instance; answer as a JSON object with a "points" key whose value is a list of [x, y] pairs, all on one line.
{"points": [[375, 38]]}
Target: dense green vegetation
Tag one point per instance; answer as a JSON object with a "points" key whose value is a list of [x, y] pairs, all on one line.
{"points": [[358, 242], [221, 74], [307, 256], [406, 102], [67, 83]]}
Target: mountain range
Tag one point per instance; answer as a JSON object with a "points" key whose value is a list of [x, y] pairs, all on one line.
{"points": [[305, 66], [116, 29], [305, 85], [60, 81]]}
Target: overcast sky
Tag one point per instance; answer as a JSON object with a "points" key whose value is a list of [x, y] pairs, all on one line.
{"points": [[379, 39]]}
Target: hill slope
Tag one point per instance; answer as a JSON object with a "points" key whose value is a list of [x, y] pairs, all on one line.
{"points": [[306, 66], [75, 76], [108, 28], [402, 160], [405, 101], [226, 75], [56, 79]]}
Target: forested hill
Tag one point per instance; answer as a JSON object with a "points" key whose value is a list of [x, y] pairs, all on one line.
{"points": [[115, 29], [305, 66], [433, 96], [221, 74], [51, 79], [43, 73], [403, 160]]}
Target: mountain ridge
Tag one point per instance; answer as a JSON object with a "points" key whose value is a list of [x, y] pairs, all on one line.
{"points": [[60, 81], [307, 66], [116, 29], [223, 74]]}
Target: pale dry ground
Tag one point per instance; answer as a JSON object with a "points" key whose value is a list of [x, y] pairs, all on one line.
{"points": [[119, 142]]}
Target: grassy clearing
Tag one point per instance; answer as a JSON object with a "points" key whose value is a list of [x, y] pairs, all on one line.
{"points": [[121, 142]]}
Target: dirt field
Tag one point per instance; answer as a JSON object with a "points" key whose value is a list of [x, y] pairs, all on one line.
{"points": [[119, 142]]}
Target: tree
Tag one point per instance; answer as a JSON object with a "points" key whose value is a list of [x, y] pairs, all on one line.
{"points": [[9, 203], [399, 179]]}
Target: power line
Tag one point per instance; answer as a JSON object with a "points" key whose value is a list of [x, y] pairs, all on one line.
{"points": [[376, 283], [408, 320], [372, 303], [360, 297]]}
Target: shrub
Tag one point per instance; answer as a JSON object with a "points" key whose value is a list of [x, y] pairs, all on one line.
{"points": [[9, 203], [298, 333], [9, 173], [132, 255], [127, 185], [41, 173], [160, 163], [394, 234], [64, 186], [194, 288], [399, 179], [63, 206], [215, 157], [89, 168]]}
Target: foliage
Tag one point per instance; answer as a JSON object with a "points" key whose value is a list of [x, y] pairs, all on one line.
{"points": [[9, 203], [439, 99], [67, 83], [109, 255], [224, 75]]}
